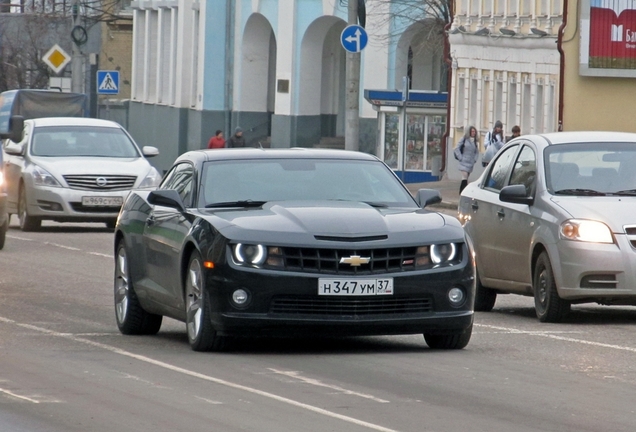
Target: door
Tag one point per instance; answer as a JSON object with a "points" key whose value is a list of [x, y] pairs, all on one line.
{"points": [[13, 168], [164, 233]]}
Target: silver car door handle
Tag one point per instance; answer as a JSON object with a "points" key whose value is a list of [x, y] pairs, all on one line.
{"points": [[475, 206], [501, 213], [150, 221]]}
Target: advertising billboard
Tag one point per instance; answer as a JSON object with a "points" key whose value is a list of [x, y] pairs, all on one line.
{"points": [[608, 38]]}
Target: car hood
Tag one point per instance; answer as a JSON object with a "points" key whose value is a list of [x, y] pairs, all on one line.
{"points": [[93, 165], [307, 221], [616, 212]]}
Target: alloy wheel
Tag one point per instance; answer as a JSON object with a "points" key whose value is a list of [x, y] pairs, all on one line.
{"points": [[121, 285], [194, 299]]}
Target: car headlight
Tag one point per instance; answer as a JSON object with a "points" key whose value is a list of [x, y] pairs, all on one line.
{"points": [[442, 253], [42, 177], [586, 231], [1, 179], [152, 180], [249, 254]]}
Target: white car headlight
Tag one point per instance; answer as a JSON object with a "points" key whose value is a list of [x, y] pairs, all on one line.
{"points": [[42, 177], [249, 254], [586, 231], [152, 180], [1, 179]]}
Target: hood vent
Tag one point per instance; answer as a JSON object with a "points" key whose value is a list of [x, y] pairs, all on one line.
{"points": [[351, 239]]}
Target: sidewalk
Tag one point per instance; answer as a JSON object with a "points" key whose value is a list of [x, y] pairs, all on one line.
{"points": [[448, 188]]}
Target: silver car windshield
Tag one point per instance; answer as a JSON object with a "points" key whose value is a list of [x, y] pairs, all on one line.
{"points": [[82, 141], [241, 183], [591, 169]]}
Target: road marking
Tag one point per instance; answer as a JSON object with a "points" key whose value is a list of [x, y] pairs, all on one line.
{"points": [[210, 401], [315, 382], [551, 335], [18, 396], [61, 246], [201, 376]]}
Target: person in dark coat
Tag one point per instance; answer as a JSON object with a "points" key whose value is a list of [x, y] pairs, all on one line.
{"points": [[468, 147], [236, 140]]}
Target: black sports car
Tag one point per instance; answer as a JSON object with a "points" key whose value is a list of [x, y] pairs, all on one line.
{"points": [[290, 242]]}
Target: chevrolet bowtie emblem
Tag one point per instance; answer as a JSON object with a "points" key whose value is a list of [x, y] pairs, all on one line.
{"points": [[355, 260]]}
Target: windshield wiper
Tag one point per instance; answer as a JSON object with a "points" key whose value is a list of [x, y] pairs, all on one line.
{"points": [[583, 192], [628, 192], [244, 203]]}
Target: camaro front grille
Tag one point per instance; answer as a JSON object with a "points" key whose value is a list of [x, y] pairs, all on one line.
{"points": [[100, 182], [296, 305], [327, 261]]}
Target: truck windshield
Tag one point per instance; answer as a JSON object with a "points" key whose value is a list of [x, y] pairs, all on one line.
{"points": [[82, 141]]}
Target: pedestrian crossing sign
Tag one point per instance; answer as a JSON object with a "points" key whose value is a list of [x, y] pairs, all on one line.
{"points": [[107, 82]]}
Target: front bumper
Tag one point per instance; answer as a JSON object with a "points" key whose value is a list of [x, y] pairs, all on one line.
{"points": [[602, 273], [419, 304], [65, 205]]}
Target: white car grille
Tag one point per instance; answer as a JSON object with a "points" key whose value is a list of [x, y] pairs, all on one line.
{"points": [[100, 182]]}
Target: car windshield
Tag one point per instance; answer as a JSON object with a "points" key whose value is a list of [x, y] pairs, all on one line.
{"points": [[236, 183], [82, 141], [591, 169]]}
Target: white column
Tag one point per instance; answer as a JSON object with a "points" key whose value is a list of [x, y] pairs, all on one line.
{"points": [[285, 103]]}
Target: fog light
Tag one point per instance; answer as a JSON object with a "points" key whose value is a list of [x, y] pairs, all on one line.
{"points": [[240, 297], [456, 296]]}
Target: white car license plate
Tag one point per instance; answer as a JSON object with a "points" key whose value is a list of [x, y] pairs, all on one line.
{"points": [[97, 201], [355, 287]]}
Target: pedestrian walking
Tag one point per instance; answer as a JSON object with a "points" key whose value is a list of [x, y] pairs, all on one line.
{"points": [[217, 141], [493, 142], [467, 153], [236, 140], [516, 131]]}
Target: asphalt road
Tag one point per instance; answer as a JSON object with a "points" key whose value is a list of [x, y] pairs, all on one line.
{"points": [[65, 367]]}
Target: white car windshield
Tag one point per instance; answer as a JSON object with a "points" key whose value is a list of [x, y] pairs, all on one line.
{"points": [[258, 181], [591, 169], [82, 141]]}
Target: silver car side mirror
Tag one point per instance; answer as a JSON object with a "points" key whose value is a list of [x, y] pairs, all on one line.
{"points": [[150, 151]]}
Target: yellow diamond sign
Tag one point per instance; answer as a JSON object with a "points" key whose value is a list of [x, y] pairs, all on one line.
{"points": [[56, 58]]}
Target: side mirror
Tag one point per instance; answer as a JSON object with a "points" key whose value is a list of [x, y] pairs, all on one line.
{"points": [[426, 197], [16, 128], [167, 198], [14, 149], [150, 151], [516, 194]]}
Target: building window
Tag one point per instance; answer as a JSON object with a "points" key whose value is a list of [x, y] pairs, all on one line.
{"points": [[513, 7], [472, 103], [526, 108], [526, 7], [550, 108], [512, 105], [195, 56], [486, 121], [498, 108], [461, 103], [474, 7], [539, 110]]}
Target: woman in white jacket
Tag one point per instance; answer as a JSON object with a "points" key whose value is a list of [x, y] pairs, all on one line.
{"points": [[467, 152], [493, 142]]}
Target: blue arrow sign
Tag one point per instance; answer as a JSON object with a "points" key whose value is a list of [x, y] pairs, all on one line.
{"points": [[354, 38], [107, 82]]}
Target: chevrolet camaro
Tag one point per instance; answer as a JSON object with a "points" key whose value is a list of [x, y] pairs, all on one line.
{"points": [[290, 243]]}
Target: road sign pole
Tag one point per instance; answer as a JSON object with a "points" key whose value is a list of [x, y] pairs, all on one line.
{"points": [[352, 99]]}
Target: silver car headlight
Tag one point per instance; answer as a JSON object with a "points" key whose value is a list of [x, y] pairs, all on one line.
{"points": [[586, 231], [42, 177], [254, 255], [152, 180]]}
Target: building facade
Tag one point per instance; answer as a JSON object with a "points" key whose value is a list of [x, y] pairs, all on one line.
{"points": [[276, 68]]}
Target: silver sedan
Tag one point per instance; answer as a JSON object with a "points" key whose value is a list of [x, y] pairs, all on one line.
{"points": [[553, 217], [74, 170]]}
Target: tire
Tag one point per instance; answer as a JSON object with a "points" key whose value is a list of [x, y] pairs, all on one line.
{"points": [[201, 333], [27, 223], [131, 318], [549, 306], [449, 341], [3, 233], [485, 298]]}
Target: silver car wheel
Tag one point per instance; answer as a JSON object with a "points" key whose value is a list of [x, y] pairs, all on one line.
{"points": [[121, 285], [543, 288], [194, 299]]}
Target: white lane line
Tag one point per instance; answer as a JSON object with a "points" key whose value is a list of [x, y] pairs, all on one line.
{"points": [[60, 246], [210, 401], [209, 378], [550, 335], [18, 396], [100, 254], [19, 238], [315, 382]]}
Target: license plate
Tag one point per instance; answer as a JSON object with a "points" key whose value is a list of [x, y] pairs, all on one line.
{"points": [[97, 201], [355, 287]]}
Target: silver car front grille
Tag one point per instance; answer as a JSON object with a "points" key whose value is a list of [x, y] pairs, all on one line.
{"points": [[100, 182]]}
